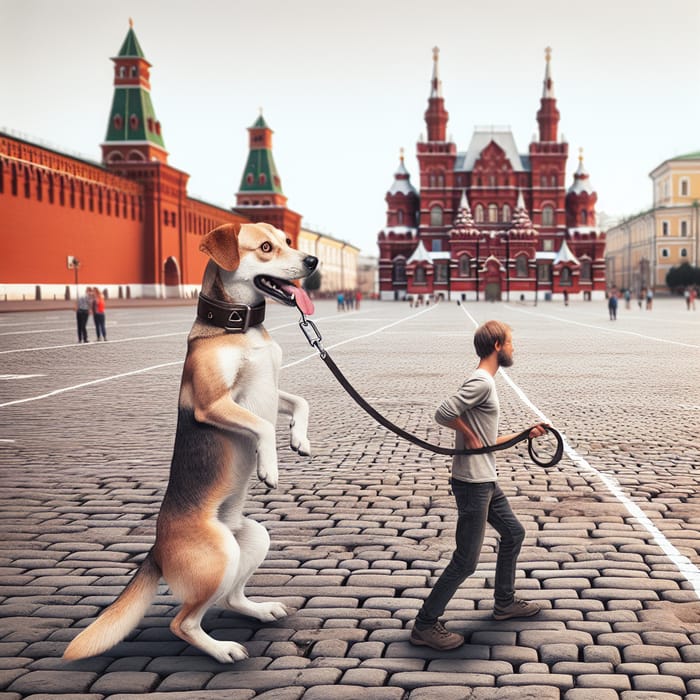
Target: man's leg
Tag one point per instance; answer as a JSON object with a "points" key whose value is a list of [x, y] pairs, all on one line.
{"points": [[472, 507], [512, 534]]}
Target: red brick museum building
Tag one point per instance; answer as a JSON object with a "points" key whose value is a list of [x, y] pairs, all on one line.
{"points": [[491, 223], [128, 220]]}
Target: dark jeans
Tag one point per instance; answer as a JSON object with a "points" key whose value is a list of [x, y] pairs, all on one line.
{"points": [[477, 504], [82, 316], [100, 325]]}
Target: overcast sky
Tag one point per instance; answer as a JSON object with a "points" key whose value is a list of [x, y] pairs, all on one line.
{"points": [[344, 86]]}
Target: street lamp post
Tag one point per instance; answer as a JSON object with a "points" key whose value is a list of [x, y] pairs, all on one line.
{"points": [[74, 264], [477, 267]]}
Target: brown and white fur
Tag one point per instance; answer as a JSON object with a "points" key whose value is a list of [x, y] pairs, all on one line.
{"points": [[205, 548]]}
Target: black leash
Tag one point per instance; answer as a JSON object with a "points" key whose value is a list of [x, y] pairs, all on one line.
{"points": [[312, 334]]}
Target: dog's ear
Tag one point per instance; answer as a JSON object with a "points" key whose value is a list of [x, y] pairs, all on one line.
{"points": [[221, 245]]}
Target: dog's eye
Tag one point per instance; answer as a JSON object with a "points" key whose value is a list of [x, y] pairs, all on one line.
{"points": [[266, 247], [289, 241]]}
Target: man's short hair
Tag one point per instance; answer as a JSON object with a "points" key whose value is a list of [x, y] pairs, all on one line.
{"points": [[487, 335]]}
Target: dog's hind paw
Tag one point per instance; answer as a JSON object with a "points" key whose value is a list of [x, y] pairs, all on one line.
{"points": [[269, 612]]}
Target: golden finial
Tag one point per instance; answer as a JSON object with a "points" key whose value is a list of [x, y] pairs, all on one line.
{"points": [[548, 54], [580, 155], [131, 23], [401, 153], [436, 53]]}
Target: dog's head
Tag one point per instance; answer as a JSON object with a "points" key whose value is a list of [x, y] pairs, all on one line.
{"points": [[260, 255]]}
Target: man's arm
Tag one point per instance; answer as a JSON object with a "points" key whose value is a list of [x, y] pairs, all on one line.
{"points": [[535, 432]]}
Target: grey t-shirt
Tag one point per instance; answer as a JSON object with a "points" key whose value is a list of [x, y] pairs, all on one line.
{"points": [[477, 404]]}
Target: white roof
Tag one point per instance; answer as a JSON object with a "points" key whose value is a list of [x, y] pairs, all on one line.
{"points": [[402, 182], [481, 139], [420, 254], [565, 255]]}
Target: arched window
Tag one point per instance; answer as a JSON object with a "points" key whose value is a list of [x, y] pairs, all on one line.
{"points": [[521, 266], [684, 252], [553, 180], [586, 270], [507, 215], [436, 215], [464, 265], [27, 183], [479, 213], [584, 218], [39, 186], [547, 216], [262, 178], [493, 213], [399, 217], [419, 275], [398, 273], [565, 277], [249, 178], [133, 122]]}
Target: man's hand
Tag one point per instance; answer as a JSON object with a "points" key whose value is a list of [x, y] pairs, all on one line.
{"points": [[538, 430], [471, 439]]}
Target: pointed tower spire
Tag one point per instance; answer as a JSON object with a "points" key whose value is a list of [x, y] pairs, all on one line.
{"points": [[436, 115], [548, 114], [133, 132], [261, 183], [548, 84]]}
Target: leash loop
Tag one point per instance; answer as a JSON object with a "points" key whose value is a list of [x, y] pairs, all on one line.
{"points": [[313, 335]]}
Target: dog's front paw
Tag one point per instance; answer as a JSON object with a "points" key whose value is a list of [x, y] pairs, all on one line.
{"points": [[300, 443], [268, 472]]}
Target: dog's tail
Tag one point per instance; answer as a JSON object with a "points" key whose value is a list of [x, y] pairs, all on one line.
{"points": [[121, 616]]}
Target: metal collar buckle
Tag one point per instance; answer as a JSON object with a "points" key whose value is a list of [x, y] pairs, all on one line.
{"points": [[238, 320]]}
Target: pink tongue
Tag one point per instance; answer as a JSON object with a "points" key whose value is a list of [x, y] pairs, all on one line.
{"points": [[306, 306]]}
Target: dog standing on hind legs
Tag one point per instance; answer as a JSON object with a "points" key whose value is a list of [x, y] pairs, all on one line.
{"points": [[205, 548]]}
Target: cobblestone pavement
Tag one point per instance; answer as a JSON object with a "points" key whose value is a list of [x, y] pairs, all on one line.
{"points": [[360, 530]]}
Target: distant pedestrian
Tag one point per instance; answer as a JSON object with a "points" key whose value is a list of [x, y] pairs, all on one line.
{"points": [[693, 297], [640, 297], [82, 313], [341, 301], [358, 299], [98, 313], [628, 297], [566, 298], [612, 304], [650, 298]]}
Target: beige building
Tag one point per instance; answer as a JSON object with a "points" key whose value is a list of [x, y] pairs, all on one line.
{"points": [[338, 261], [641, 250]]}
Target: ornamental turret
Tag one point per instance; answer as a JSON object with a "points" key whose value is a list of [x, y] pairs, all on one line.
{"points": [[581, 199], [464, 226], [522, 224], [402, 201], [133, 131]]}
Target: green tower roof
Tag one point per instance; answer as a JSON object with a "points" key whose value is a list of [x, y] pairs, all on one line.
{"points": [[260, 173], [131, 47]]}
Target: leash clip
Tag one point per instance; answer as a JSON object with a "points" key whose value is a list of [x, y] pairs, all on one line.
{"points": [[308, 328]]}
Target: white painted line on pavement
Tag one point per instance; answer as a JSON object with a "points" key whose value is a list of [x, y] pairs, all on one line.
{"points": [[603, 328], [63, 390], [682, 563], [55, 392], [12, 377]]}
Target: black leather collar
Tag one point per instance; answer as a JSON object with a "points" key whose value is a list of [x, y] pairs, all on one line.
{"points": [[232, 317]]}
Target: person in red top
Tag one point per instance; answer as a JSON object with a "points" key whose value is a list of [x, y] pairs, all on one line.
{"points": [[98, 313]]}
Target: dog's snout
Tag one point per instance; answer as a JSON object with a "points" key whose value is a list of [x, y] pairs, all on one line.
{"points": [[310, 263]]}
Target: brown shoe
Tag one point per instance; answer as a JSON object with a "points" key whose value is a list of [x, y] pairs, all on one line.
{"points": [[436, 637], [518, 608]]}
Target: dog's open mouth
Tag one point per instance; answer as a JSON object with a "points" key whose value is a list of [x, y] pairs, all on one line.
{"points": [[284, 291]]}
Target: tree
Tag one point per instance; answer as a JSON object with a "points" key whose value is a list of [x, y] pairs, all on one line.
{"points": [[682, 276]]}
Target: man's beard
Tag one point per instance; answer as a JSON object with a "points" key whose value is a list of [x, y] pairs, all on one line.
{"points": [[503, 359]]}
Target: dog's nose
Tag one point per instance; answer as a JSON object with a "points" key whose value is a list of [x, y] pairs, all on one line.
{"points": [[310, 263]]}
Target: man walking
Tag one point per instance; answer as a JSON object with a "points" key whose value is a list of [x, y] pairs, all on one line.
{"points": [[473, 414]]}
